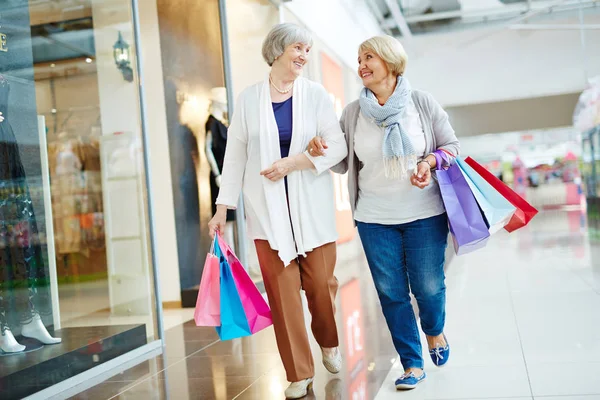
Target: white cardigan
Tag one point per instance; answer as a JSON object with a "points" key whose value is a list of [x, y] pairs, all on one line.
{"points": [[253, 145]]}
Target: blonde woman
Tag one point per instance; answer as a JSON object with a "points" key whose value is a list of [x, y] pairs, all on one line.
{"points": [[288, 196], [395, 137]]}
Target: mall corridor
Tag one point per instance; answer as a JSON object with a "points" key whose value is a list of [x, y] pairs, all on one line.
{"points": [[522, 322], [116, 117]]}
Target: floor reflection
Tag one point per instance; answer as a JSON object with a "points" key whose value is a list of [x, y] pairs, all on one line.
{"points": [[196, 365], [544, 278], [522, 317]]}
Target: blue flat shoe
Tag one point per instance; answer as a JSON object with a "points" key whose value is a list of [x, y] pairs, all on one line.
{"points": [[409, 381], [440, 355]]}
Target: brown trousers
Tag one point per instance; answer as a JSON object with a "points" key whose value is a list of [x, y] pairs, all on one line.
{"points": [[314, 274]]}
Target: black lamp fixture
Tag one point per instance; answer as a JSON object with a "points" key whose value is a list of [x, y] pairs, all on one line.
{"points": [[122, 57]]}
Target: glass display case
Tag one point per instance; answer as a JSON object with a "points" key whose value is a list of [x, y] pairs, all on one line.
{"points": [[76, 274]]}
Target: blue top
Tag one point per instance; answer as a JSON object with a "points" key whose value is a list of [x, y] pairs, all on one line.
{"points": [[283, 116]]}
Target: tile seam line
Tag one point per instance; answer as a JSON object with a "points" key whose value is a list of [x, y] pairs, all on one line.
{"points": [[512, 306], [162, 370], [252, 384]]}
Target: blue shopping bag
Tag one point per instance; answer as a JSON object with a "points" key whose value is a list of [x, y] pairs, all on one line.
{"points": [[496, 209], [234, 323], [467, 225]]}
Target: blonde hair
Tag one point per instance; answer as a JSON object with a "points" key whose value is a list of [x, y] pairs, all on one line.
{"points": [[390, 50]]}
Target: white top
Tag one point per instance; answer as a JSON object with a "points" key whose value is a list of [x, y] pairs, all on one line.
{"points": [[391, 201], [253, 145]]}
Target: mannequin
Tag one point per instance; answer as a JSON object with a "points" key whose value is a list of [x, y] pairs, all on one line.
{"points": [[216, 140], [22, 273], [67, 162]]}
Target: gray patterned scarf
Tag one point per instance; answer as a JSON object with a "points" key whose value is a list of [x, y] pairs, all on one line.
{"points": [[399, 156]]}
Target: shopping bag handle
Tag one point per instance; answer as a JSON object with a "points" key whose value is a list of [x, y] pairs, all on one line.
{"points": [[442, 158], [214, 242]]}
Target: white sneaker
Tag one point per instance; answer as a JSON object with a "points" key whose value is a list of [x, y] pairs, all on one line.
{"points": [[333, 363], [298, 390]]}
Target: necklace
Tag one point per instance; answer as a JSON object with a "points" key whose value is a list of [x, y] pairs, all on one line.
{"points": [[285, 91]]}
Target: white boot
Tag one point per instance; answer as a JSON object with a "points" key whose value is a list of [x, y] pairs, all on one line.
{"points": [[9, 344], [298, 390], [36, 330]]}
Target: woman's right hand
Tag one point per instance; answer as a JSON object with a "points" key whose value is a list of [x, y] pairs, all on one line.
{"points": [[218, 221], [317, 146]]}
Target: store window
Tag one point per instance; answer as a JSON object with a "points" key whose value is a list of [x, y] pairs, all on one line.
{"points": [[198, 114], [591, 181], [76, 281]]}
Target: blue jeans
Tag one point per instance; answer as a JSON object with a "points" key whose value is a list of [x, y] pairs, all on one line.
{"points": [[409, 257]]}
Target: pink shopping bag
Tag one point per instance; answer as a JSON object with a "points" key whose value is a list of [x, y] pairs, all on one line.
{"points": [[208, 304], [257, 310]]}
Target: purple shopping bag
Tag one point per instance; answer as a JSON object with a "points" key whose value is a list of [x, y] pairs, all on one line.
{"points": [[257, 310], [467, 224]]}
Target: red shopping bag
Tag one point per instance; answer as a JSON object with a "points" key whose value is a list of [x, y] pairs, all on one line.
{"points": [[257, 310], [208, 304], [525, 211]]}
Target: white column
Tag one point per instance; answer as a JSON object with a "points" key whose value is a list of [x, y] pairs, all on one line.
{"points": [[162, 189], [120, 112]]}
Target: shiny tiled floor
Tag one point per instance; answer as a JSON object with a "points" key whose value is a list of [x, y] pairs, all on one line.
{"points": [[523, 322], [523, 318]]}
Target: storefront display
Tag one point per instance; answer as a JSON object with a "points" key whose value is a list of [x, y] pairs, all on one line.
{"points": [[69, 225], [24, 279], [197, 118], [77, 194], [542, 165], [216, 142], [586, 118], [25, 303], [591, 179]]}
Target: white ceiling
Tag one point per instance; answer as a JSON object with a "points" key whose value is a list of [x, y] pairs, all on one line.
{"points": [[428, 16]]}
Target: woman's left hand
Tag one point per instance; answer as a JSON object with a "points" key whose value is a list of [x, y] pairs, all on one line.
{"points": [[280, 169], [421, 178]]}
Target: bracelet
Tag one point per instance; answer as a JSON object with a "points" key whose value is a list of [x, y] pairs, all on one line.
{"points": [[427, 161]]}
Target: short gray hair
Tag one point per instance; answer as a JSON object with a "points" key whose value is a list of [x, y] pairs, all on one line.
{"points": [[280, 37]]}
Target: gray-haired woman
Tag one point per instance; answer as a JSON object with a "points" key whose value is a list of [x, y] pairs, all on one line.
{"points": [[288, 196]]}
